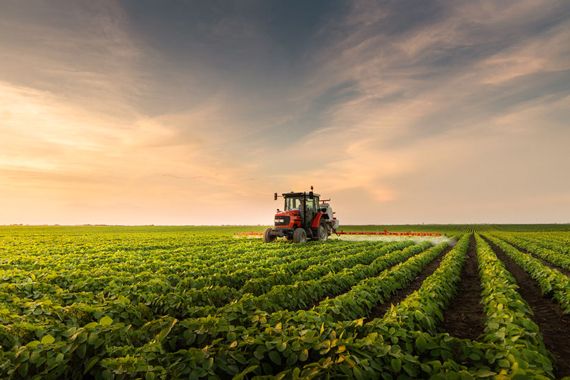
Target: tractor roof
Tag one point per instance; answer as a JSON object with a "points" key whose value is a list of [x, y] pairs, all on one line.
{"points": [[293, 194]]}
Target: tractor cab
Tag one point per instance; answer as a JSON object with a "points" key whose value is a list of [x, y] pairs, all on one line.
{"points": [[305, 204], [303, 217]]}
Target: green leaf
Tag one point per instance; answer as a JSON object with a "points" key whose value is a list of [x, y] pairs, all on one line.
{"points": [[35, 357], [396, 364], [304, 355], [421, 343], [23, 370], [485, 373], [504, 363], [47, 339], [281, 346], [410, 370], [493, 325], [91, 363], [259, 353], [106, 321], [242, 374], [275, 357]]}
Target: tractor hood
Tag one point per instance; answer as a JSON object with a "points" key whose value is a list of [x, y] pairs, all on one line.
{"points": [[286, 219], [287, 213]]}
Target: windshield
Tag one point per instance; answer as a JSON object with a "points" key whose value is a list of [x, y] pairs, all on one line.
{"points": [[293, 203]]}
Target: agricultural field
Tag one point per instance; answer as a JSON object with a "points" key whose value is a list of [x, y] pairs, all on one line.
{"points": [[203, 302]]}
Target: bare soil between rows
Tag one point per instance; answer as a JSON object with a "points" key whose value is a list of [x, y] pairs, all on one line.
{"points": [[554, 326], [464, 318], [402, 293]]}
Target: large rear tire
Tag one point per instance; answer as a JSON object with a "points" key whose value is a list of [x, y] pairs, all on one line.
{"points": [[268, 237], [322, 233], [299, 235]]}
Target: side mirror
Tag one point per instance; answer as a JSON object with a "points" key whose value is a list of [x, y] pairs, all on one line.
{"points": [[275, 196]]}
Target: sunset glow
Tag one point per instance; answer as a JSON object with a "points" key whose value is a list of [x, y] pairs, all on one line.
{"points": [[142, 112]]}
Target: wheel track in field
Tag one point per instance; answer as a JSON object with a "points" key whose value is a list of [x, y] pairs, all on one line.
{"points": [[402, 293], [554, 325], [464, 317]]}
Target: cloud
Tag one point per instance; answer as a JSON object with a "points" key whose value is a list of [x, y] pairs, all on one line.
{"points": [[54, 152], [426, 94], [81, 51], [127, 113]]}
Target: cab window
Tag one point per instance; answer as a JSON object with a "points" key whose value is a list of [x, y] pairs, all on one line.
{"points": [[292, 203], [312, 204]]}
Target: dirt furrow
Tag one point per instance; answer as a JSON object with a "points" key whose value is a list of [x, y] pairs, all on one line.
{"points": [[464, 318], [554, 325], [401, 294]]}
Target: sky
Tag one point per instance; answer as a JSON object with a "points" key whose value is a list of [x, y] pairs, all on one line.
{"points": [[196, 112]]}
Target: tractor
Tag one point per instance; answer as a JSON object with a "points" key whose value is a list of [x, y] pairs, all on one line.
{"points": [[304, 217]]}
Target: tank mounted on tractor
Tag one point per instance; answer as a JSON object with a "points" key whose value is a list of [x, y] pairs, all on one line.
{"points": [[304, 217]]}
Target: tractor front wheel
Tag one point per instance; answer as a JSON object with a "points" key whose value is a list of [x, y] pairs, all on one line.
{"points": [[268, 237], [299, 235]]}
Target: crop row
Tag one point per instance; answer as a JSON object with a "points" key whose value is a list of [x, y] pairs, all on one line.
{"points": [[235, 276], [292, 297], [246, 340], [21, 286], [560, 259], [350, 257], [300, 313], [423, 309], [319, 347], [86, 273], [511, 345], [306, 293], [185, 303], [285, 338], [558, 242], [363, 297], [508, 322], [127, 349], [405, 342], [28, 299], [551, 281], [559, 246]]}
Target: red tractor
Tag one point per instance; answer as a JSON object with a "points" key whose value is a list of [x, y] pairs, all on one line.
{"points": [[305, 217]]}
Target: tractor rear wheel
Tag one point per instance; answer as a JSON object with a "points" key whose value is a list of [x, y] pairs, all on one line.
{"points": [[299, 235], [322, 233], [268, 237]]}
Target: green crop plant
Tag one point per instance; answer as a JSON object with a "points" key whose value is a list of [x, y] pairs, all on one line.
{"points": [[199, 302]]}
